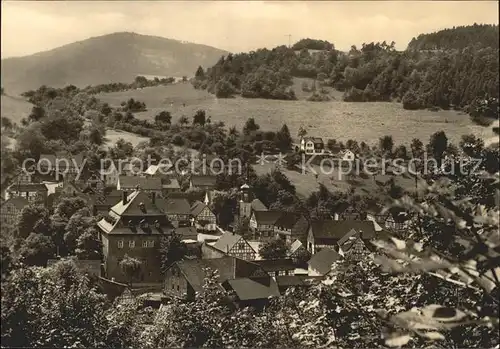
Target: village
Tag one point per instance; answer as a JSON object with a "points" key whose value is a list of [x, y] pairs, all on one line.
{"points": [[137, 209]]}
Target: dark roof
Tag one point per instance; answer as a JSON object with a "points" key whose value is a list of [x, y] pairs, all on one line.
{"points": [[328, 230], [195, 274], [316, 140], [18, 202], [289, 280], [270, 265], [267, 217], [145, 183], [187, 233], [133, 206], [197, 208], [176, 206], [203, 181], [323, 260], [257, 205], [288, 220], [227, 241], [254, 288], [31, 187], [167, 182]]}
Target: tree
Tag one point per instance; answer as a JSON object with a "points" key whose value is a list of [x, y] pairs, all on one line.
{"points": [[36, 249], [200, 74], [250, 126], [183, 120], [50, 307], [401, 152], [438, 144], [79, 222], [7, 123], [163, 117], [274, 249], [417, 148], [28, 219], [37, 113], [224, 89], [68, 206], [172, 249], [88, 245], [472, 145], [386, 145], [199, 118], [6, 261], [224, 206], [131, 268], [302, 132], [283, 139]]}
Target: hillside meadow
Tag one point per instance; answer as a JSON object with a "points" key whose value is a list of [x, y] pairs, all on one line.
{"points": [[334, 119], [15, 108]]}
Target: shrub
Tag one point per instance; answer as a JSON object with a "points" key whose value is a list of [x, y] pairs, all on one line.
{"points": [[318, 97]]}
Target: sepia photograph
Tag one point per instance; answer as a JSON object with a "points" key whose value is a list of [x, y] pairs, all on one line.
{"points": [[250, 174]]}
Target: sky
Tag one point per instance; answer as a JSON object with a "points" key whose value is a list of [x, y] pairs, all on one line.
{"points": [[28, 27]]}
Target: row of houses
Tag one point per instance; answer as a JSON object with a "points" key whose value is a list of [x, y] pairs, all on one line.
{"points": [[316, 146]]}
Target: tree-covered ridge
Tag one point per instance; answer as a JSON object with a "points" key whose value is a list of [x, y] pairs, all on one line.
{"points": [[478, 35], [374, 72], [313, 44], [419, 79]]}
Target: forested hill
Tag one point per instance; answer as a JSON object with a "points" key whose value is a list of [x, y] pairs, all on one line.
{"points": [[477, 35], [419, 79]]}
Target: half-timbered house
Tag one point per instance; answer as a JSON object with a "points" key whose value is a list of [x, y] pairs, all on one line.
{"points": [[203, 217]]}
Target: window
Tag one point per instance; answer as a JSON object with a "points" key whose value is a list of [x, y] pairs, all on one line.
{"points": [[177, 287], [151, 243], [131, 244], [120, 244], [145, 243]]}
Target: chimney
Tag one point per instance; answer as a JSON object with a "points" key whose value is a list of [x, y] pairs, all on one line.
{"points": [[336, 216], [124, 197]]}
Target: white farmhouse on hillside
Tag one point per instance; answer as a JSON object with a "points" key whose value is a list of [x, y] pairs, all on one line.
{"points": [[312, 145]]}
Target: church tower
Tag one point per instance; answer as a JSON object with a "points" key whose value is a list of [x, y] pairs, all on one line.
{"points": [[245, 203]]}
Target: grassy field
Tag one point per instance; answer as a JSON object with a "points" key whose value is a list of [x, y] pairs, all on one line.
{"points": [[335, 119], [112, 136], [15, 108], [306, 182]]}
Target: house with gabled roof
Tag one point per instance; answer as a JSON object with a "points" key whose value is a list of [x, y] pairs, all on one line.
{"points": [[291, 226], [178, 211], [11, 209], [276, 267], [33, 192], [323, 262], [131, 183], [327, 233], [169, 185], [262, 223], [134, 226], [252, 291], [312, 145], [344, 155], [203, 217], [229, 244], [185, 279]]}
